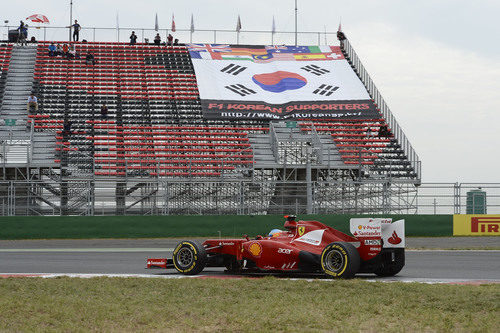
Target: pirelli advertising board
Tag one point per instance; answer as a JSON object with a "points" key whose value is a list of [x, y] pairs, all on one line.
{"points": [[278, 82], [476, 225]]}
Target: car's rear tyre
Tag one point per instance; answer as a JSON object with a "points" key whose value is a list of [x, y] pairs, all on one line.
{"points": [[392, 262], [189, 257], [340, 260]]}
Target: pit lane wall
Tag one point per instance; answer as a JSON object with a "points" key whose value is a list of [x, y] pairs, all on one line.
{"points": [[73, 227]]}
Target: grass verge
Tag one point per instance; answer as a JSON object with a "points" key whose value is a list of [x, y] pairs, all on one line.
{"points": [[266, 304]]}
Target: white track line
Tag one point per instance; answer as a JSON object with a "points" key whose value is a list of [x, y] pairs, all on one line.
{"points": [[180, 276], [138, 249], [126, 249]]}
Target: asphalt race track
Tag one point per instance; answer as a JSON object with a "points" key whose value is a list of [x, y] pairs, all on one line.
{"points": [[129, 257]]}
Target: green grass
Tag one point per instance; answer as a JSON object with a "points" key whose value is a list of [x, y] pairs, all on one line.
{"points": [[72, 227], [266, 304]]}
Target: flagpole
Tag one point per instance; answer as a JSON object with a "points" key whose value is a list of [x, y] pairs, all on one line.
{"points": [[70, 17], [295, 22]]}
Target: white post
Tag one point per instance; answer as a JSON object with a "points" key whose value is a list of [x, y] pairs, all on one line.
{"points": [[295, 22]]}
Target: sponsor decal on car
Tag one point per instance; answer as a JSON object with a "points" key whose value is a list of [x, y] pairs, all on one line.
{"points": [[394, 239], [284, 251], [288, 265], [476, 225], [225, 244], [255, 249], [313, 237], [301, 230], [372, 241]]}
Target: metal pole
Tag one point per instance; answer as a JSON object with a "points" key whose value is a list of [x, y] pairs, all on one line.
{"points": [[295, 22], [70, 17], [309, 185]]}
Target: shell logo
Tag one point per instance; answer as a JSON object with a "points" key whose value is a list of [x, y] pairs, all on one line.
{"points": [[255, 249], [360, 227]]}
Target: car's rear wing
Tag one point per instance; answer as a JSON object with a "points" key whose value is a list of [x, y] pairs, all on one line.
{"points": [[391, 233]]}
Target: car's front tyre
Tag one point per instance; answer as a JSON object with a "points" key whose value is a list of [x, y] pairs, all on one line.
{"points": [[189, 257]]}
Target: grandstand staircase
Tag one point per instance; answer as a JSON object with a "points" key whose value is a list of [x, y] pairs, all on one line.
{"points": [[291, 146], [21, 145]]}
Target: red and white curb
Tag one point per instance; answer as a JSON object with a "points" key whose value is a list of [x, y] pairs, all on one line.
{"points": [[179, 276]]}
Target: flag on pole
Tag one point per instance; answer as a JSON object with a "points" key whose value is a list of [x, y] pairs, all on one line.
{"points": [[173, 23], [340, 26], [274, 26], [192, 24], [238, 24], [156, 22]]}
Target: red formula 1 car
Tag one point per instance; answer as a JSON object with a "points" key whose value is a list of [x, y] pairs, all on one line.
{"points": [[305, 246]]}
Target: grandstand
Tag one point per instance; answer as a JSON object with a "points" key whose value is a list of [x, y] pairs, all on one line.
{"points": [[158, 151]]}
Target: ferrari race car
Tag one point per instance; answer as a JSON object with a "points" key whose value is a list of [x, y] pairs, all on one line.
{"points": [[377, 246]]}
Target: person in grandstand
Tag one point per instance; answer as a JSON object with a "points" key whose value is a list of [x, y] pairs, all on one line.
{"points": [[23, 33], [157, 39], [76, 30], [176, 42], [52, 50], [32, 102], [170, 40], [89, 59], [340, 35], [59, 50], [104, 111], [67, 127], [65, 49], [133, 38], [384, 132]]}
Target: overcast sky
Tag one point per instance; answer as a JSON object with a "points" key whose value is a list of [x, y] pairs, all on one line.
{"points": [[437, 63]]}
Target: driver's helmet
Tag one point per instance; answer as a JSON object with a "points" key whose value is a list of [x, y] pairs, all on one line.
{"points": [[275, 233]]}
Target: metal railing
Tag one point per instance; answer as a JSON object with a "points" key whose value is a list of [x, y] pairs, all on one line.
{"points": [[222, 196], [102, 34], [273, 139], [384, 108], [317, 145]]}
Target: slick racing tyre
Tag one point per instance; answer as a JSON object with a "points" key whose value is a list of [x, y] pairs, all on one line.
{"points": [[392, 262], [189, 257], [340, 260]]}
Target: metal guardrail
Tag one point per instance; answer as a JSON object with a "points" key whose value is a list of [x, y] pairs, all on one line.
{"points": [[221, 196], [317, 145], [273, 139], [384, 108], [102, 34]]}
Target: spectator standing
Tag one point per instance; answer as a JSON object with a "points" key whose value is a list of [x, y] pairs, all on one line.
{"points": [[23, 33], [104, 111], [76, 31], [32, 102], [133, 38], [170, 39], [157, 39], [67, 127], [52, 50]]}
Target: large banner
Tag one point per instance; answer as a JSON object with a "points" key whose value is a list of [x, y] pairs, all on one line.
{"points": [[476, 225], [278, 82]]}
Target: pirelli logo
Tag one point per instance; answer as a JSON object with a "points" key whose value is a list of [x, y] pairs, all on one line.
{"points": [[485, 224], [476, 225]]}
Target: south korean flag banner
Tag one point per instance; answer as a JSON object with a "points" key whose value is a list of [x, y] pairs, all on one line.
{"points": [[264, 82]]}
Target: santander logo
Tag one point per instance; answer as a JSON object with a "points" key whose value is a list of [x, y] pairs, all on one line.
{"points": [[394, 239]]}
